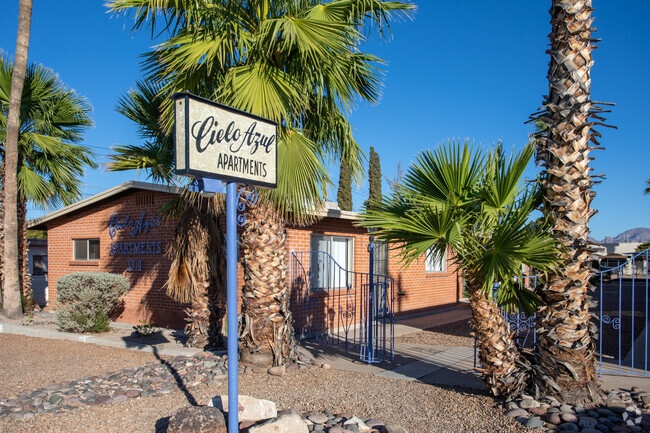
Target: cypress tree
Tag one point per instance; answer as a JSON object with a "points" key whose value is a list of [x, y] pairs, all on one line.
{"points": [[344, 195], [374, 178]]}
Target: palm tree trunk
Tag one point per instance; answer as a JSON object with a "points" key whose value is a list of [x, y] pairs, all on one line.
{"points": [[500, 357], [566, 342], [266, 328], [23, 262], [197, 274], [12, 303]]}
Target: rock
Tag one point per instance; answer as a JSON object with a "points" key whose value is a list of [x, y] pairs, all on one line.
{"points": [[587, 422], [528, 403], [569, 417], [318, 418], [250, 408], [277, 371], [285, 424], [325, 366], [511, 405], [554, 418], [590, 430], [197, 419], [605, 412], [616, 407], [569, 426], [537, 410], [566, 409], [292, 367], [374, 423], [55, 399], [358, 422], [104, 399], [534, 421], [513, 413], [132, 393], [391, 428]]}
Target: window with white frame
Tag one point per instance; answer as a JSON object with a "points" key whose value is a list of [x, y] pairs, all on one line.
{"points": [[331, 261], [434, 263], [86, 249]]}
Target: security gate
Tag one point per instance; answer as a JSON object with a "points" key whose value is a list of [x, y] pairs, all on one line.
{"points": [[622, 295], [621, 316], [333, 305]]}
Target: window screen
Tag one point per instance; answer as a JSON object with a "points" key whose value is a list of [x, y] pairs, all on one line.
{"points": [[86, 249]]}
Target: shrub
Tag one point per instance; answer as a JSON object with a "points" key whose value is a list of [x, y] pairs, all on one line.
{"points": [[85, 300]]}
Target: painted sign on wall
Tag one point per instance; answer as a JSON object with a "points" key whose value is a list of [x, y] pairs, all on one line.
{"points": [[134, 227], [217, 141]]}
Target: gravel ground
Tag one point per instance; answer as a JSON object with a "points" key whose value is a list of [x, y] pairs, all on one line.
{"points": [[418, 407], [451, 334], [30, 363]]}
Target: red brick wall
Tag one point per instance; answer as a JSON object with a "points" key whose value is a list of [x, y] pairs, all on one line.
{"points": [[418, 290], [147, 298], [415, 290]]}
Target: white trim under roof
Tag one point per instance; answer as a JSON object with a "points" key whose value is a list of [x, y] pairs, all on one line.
{"points": [[329, 210]]}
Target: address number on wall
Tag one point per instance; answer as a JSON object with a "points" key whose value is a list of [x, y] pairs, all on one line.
{"points": [[133, 265]]}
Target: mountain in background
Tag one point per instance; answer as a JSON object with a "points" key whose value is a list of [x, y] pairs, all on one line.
{"points": [[639, 234]]}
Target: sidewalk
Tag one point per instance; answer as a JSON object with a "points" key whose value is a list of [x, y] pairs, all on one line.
{"points": [[437, 365], [167, 342]]}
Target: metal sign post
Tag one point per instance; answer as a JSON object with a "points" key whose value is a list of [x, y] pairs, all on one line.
{"points": [[215, 142], [231, 254]]}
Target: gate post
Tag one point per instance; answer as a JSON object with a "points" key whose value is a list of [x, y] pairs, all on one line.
{"points": [[370, 345]]}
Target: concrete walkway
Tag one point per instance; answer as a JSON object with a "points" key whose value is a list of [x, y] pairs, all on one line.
{"points": [[439, 365], [119, 342]]}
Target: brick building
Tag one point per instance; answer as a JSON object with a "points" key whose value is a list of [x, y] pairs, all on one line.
{"points": [[121, 231]]}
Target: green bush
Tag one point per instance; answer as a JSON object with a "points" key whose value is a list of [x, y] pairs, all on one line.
{"points": [[86, 299]]}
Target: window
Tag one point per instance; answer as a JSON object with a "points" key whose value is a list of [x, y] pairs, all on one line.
{"points": [[86, 249], [331, 261], [39, 265], [434, 263]]}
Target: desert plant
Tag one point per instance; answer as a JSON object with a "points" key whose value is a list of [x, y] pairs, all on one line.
{"points": [[85, 300], [146, 328]]}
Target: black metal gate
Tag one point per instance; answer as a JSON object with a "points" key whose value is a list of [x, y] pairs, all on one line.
{"points": [[353, 310]]}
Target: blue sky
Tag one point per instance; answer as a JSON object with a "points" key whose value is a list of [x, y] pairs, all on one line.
{"points": [[465, 69]]}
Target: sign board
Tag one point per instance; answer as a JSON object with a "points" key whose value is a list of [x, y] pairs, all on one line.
{"points": [[219, 142]]}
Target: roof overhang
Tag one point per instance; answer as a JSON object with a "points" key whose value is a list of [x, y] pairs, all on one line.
{"points": [[41, 222]]}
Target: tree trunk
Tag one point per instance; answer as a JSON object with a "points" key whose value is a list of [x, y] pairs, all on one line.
{"points": [[500, 357], [566, 340], [206, 315], [12, 303], [266, 327], [23, 262]]}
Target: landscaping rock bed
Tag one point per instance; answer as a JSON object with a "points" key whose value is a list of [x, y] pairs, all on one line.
{"points": [[152, 379], [623, 412]]}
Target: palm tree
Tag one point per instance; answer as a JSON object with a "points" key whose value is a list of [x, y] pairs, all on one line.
{"points": [[51, 119], [459, 199], [566, 342], [198, 269], [295, 62], [12, 305], [647, 188]]}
